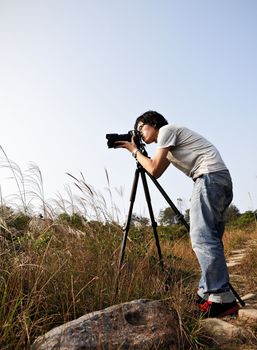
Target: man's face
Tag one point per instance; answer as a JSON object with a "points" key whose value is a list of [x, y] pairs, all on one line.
{"points": [[148, 133]]}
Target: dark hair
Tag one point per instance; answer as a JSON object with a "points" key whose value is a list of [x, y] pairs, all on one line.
{"points": [[152, 118]]}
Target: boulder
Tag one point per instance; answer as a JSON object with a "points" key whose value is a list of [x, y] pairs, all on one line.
{"points": [[222, 332], [139, 324]]}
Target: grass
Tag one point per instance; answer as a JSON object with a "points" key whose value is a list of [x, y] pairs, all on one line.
{"points": [[56, 268], [55, 274]]}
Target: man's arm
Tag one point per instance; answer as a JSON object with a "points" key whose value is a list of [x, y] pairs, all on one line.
{"points": [[155, 165]]}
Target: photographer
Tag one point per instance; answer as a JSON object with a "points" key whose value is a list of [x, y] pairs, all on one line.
{"points": [[212, 193]]}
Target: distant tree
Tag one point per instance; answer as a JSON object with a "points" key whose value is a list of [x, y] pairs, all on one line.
{"points": [[246, 218], [139, 220], [167, 217], [231, 213]]}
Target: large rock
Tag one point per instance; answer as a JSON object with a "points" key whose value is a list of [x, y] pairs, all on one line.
{"points": [[248, 315], [138, 324], [222, 332]]}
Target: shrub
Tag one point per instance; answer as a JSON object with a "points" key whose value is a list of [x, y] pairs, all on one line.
{"points": [[74, 220], [244, 220]]}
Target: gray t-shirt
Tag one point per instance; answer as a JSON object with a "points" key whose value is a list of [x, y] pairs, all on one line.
{"points": [[189, 151]]}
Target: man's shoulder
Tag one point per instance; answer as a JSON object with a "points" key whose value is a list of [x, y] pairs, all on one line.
{"points": [[170, 127]]}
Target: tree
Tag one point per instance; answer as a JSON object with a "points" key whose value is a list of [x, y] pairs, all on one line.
{"points": [[138, 220], [231, 213], [167, 216]]}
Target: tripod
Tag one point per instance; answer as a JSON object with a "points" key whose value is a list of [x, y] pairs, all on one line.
{"points": [[141, 171]]}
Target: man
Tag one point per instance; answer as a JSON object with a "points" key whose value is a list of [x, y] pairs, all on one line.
{"points": [[212, 193]]}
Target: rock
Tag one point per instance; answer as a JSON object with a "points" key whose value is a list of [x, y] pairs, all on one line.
{"points": [[232, 263], [138, 324], [222, 332], [248, 315], [238, 251], [249, 296]]}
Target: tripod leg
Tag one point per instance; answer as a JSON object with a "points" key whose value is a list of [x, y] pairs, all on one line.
{"points": [[154, 223], [242, 303], [179, 216], [126, 229]]}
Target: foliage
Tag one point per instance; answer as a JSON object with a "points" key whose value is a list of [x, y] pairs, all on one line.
{"points": [[167, 216], [19, 221], [75, 220], [244, 220], [172, 232], [14, 220], [139, 220], [231, 213]]}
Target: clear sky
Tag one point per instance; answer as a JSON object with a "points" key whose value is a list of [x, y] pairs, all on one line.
{"points": [[72, 71]]}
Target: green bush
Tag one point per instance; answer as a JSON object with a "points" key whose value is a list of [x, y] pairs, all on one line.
{"points": [[75, 220], [244, 220], [18, 221], [172, 232]]}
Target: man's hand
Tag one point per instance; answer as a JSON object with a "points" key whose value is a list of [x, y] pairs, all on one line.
{"points": [[130, 146], [155, 166]]}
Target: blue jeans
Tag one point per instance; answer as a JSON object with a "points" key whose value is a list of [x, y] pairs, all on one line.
{"points": [[211, 195]]}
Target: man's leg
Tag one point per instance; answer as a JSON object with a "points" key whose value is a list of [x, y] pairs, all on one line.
{"points": [[211, 195]]}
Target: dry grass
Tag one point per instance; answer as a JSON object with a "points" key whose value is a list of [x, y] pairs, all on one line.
{"points": [[53, 275], [247, 240], [53, 269]]}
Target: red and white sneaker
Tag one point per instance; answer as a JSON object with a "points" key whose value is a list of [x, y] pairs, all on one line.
{"points": [[211, 309]]}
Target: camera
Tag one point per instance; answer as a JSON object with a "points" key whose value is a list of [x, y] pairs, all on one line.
{"points": [[112, 138]]}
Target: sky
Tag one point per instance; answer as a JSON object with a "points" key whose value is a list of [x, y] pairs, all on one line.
{"points": [[72, 71]]}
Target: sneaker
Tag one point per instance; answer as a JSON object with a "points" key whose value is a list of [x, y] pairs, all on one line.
{"points": [[211, 309]]}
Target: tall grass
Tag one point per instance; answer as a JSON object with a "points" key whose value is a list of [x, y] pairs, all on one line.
{"points": [[63, 264], [59, 275]]}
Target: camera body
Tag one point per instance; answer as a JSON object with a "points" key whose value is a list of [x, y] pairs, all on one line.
{"points": [[112, 138]]}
